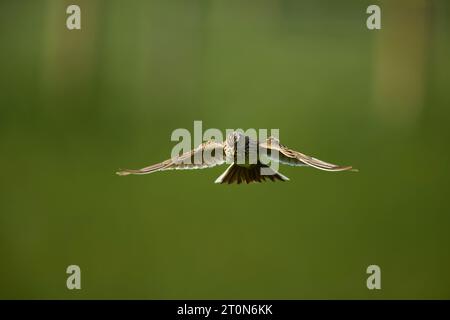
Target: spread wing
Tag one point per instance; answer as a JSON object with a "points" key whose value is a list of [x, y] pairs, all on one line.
{"points": [[295, 158], [206, 155]]}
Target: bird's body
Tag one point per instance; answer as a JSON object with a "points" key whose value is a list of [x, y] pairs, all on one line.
{"points": [[249, 160]]}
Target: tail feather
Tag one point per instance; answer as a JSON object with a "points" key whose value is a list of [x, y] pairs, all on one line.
{"points": [[239, 174]]}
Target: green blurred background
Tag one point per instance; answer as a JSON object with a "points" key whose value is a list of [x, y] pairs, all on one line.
{"points": [[77, 105]]}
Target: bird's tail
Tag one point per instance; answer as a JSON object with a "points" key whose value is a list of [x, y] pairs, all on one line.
{"points": [[238, 174]]}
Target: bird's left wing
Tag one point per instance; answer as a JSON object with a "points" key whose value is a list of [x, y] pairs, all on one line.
{"points": [[206, 155], [295, 158]]}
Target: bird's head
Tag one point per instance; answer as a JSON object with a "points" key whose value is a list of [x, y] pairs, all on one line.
{"points": [[238, 137], [235, 138]]}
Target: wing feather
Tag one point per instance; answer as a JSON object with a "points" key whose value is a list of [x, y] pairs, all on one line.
{"points": [[295, 158], [206, 155]]}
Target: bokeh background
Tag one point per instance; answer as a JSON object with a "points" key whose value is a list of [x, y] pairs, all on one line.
{"points": [[77, 105]]}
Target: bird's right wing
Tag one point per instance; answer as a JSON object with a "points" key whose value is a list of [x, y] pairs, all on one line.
{"points": [[206, 155]]}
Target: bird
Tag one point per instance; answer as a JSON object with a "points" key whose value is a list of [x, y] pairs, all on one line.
{"points": [[248, 160]]}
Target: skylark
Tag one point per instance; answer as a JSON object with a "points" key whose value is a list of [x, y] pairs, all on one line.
{"points": [[249, 160]]}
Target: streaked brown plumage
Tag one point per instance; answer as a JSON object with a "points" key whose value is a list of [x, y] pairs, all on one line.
{"points": [[246, 157]]}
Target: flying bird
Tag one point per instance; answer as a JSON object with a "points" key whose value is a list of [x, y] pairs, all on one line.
{"points": [[247, 157]]}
